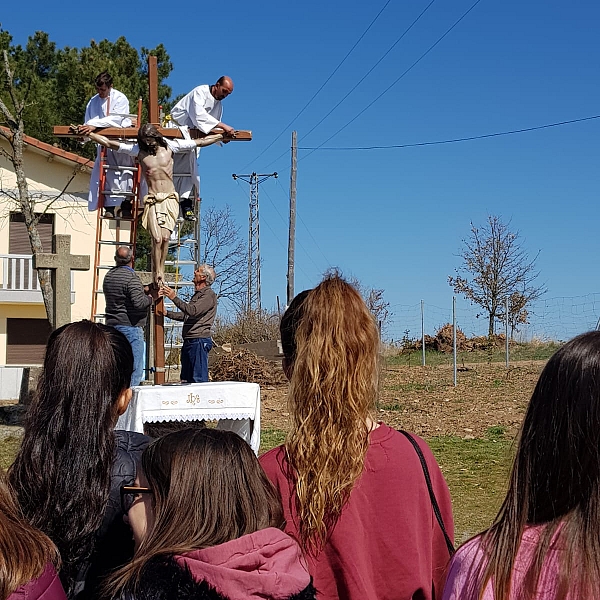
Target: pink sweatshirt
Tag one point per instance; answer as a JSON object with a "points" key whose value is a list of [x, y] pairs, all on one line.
{"points": [[264, 564], [470, 554]]}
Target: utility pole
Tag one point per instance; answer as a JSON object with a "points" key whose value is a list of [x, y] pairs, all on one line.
{"points": [[292, 233], [253, 291]]}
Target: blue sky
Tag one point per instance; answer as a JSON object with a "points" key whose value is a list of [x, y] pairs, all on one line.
{"points": [[392, 218]]}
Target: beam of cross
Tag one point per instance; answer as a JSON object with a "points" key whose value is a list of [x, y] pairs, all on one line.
{"points": [[61, 262]]}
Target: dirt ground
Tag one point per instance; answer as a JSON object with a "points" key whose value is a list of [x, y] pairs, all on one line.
{"points": [[425, 401]]}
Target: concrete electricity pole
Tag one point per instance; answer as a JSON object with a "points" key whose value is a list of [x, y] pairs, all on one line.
{"points": [[292, 233]]}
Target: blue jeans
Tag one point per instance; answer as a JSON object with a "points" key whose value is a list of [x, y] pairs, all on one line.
{"points": [[194, 359], [135, 335]]}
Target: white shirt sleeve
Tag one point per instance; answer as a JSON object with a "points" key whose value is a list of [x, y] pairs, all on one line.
{"points": [[129, 149]]}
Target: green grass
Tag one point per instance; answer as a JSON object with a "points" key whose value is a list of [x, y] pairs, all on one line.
{"points": [[391, 406], [477, 474], [269, 438], [518, 352], [411, 387], [8, 450]]}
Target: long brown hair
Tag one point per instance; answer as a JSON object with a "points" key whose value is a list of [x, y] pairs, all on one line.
{"points": [[554, 484], [24, 551], [208, 489], [61, 475], [330, 343]]}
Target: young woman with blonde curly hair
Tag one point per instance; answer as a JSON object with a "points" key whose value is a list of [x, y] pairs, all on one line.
{"points": [[353, 489]]}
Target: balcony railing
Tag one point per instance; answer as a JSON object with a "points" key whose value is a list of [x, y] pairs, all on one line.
{"points": [[17, 273], [19, 280]]}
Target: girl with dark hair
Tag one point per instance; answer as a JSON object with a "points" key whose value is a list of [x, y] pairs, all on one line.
{"points": [[545, 542], [71, 463], [27, 557], [354, 491], [206, 523]]}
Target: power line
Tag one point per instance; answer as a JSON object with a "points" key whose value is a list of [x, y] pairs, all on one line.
{"points": [[414, 64], [454, 140], [372, 68], [323, 84]]}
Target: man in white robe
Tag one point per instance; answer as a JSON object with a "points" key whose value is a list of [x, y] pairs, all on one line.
{"points": [[200, 109], [109, 108]]}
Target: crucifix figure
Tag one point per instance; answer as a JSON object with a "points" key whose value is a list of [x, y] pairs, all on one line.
{"points": [[61, 262]]}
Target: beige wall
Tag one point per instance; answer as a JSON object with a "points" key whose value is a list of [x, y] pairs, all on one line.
{"points": [[47, 176]]}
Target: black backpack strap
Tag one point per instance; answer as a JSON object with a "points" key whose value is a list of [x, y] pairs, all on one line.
{"points": [[434, 502]]}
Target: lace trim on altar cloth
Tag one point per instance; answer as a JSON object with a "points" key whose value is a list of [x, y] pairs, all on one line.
{"points": [[165, 415]]}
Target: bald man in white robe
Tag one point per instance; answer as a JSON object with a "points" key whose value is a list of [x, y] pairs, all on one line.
{"points": [[199, 109]]}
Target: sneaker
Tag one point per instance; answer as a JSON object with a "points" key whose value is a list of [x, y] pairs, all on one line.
{"points": [[189, 215], [109, 213]]}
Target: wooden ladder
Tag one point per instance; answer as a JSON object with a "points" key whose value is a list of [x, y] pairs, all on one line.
{"points": [[113, 232]]}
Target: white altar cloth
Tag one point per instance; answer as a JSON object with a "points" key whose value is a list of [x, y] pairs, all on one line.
{"points": [[235, 404]]}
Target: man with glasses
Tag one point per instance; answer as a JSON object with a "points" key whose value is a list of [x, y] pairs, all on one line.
{"points": [[109, 108]]}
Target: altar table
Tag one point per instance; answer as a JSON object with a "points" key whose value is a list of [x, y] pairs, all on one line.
{"points": [[236, 405]]}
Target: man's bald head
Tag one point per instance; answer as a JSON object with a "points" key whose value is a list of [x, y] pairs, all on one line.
{"points": [[123, 256], [222, 88]]}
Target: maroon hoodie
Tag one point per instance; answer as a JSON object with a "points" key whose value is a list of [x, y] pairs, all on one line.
{"points": [[46, 587]]}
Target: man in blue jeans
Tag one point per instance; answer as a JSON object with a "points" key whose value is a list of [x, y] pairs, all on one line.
{"points": [[197, 315], [127, 306]]}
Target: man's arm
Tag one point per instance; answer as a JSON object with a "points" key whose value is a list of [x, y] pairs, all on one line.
{"points": [[123, 148], [177, 146], [175, 315], [194, 308], [135, 291], [95, 137]]}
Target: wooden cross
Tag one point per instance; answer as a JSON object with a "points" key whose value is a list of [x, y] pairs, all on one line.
{"points": [[61, 262]]}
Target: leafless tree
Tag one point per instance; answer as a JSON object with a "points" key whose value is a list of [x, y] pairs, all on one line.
{"points": [[224, 249], [496, 266], [13, 132], [376, 303]]}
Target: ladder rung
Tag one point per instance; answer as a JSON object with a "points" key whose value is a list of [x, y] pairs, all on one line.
{"points": [[179, 262], [99, 292], [119, 168], [111, 243], [118, 193]]}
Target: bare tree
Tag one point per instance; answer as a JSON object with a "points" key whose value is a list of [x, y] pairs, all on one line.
{"points": [[495, 266], [224, 249], [13, 133], [376, 303]]}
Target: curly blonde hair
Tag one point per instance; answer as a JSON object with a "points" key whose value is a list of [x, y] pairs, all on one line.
{"points": [[330, 342]]}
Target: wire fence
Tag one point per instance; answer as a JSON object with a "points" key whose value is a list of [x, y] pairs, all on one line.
{"points": [[553, 319]]}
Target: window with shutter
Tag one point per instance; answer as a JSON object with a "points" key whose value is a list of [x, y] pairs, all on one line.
{"points": [[26, 341], [18, 243]]}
